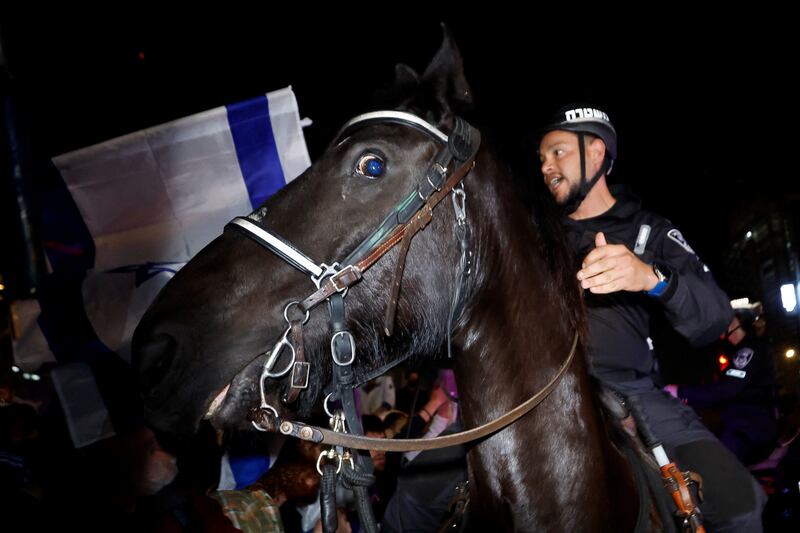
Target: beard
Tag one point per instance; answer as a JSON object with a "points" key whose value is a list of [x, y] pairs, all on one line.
{"points": [[572, 194]]}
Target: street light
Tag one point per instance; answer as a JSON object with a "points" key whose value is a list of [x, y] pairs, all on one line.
{"points": [[789, 297], [790, 353]]}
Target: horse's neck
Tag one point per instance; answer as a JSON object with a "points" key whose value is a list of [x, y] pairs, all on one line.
{"points": [[517, 333], [519, 329]]}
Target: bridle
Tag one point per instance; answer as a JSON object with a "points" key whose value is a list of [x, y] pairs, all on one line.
{"points": [[454, 160], [444, 175]]}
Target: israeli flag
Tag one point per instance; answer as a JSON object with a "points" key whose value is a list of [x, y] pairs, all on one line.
{"points": [[122, 217]]}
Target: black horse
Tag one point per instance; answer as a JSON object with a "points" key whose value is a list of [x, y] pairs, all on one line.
{"points": [[555, 469]]}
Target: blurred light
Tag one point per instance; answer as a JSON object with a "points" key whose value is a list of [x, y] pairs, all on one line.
{"points": [[723, 362], [25, 375], [790, 353], [788, 297], [15, 369], [35, 377], [2, 287], [749, 235], [740, 302], [141, 56]]}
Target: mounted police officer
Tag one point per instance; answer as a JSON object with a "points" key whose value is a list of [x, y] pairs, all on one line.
{"points": [[744, 392], [632, 264]]}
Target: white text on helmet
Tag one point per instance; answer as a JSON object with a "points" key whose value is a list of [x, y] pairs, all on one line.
{"points": [[584, 113]]}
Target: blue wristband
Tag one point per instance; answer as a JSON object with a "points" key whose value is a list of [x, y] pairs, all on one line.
{"points": [[660, 287]]}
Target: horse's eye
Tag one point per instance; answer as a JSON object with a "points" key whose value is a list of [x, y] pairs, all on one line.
{"points": [[370, 166]]}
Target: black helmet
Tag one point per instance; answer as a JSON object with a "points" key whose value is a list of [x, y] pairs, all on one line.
{"points": [[583, 118]]}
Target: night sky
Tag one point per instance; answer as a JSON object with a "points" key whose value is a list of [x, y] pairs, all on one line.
{"points": [[699, 105]]}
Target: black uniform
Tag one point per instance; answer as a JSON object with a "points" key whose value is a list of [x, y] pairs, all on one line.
{"points": [[620, 353], [745, 396]]}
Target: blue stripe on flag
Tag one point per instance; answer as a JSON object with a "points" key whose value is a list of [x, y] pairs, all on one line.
{"points": [[67, 241], [256, 148]]}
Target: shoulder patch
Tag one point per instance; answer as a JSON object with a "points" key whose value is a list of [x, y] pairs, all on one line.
{"points": [[676, 236], [743, 358]]}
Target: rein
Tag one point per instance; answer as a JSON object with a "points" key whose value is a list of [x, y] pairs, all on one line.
{"points": [[334, 438]]}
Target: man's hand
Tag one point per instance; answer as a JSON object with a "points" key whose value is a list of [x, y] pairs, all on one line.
{"points": [[672, 390], [613, 267]]}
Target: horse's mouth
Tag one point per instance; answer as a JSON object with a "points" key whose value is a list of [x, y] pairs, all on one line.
{"points": [[231, 404]]}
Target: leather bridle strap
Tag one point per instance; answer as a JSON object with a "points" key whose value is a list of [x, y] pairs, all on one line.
{"points": [[333, 438], [351, 274]]}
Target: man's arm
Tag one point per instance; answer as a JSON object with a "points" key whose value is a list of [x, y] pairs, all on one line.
{"points": [[693, 303], [710, 394]]}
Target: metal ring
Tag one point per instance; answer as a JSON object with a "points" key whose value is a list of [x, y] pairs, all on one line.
{"points": [[275, 354], [259, 428], [460, 208], [352, 347], [319, 461], [327, 270], [286, 312], [264, 405], [325, 404]]}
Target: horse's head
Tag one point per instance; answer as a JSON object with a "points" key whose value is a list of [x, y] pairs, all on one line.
{"points": [[208, 326]]}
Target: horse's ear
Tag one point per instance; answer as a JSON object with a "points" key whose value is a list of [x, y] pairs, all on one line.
{"points": [[445, 78], [405, 77], [397, 93]]}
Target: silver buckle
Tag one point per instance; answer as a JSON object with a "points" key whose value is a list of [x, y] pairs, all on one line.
{"points": [[352, 347], [327, 270], [442, 170], [335, 278]]}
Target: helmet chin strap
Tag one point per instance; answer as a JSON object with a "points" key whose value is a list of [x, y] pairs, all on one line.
{"points": [[577, 197]]}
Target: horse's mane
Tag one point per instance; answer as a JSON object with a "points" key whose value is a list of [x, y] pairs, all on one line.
{"points": [[546, 216], [517, 157]]}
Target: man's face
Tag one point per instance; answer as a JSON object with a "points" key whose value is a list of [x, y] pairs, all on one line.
{"points": [[561, 164]]}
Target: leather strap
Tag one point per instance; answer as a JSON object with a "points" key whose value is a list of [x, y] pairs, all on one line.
{"points": [[353, 273], [300, 370], [420, 220], [325, 436]]}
